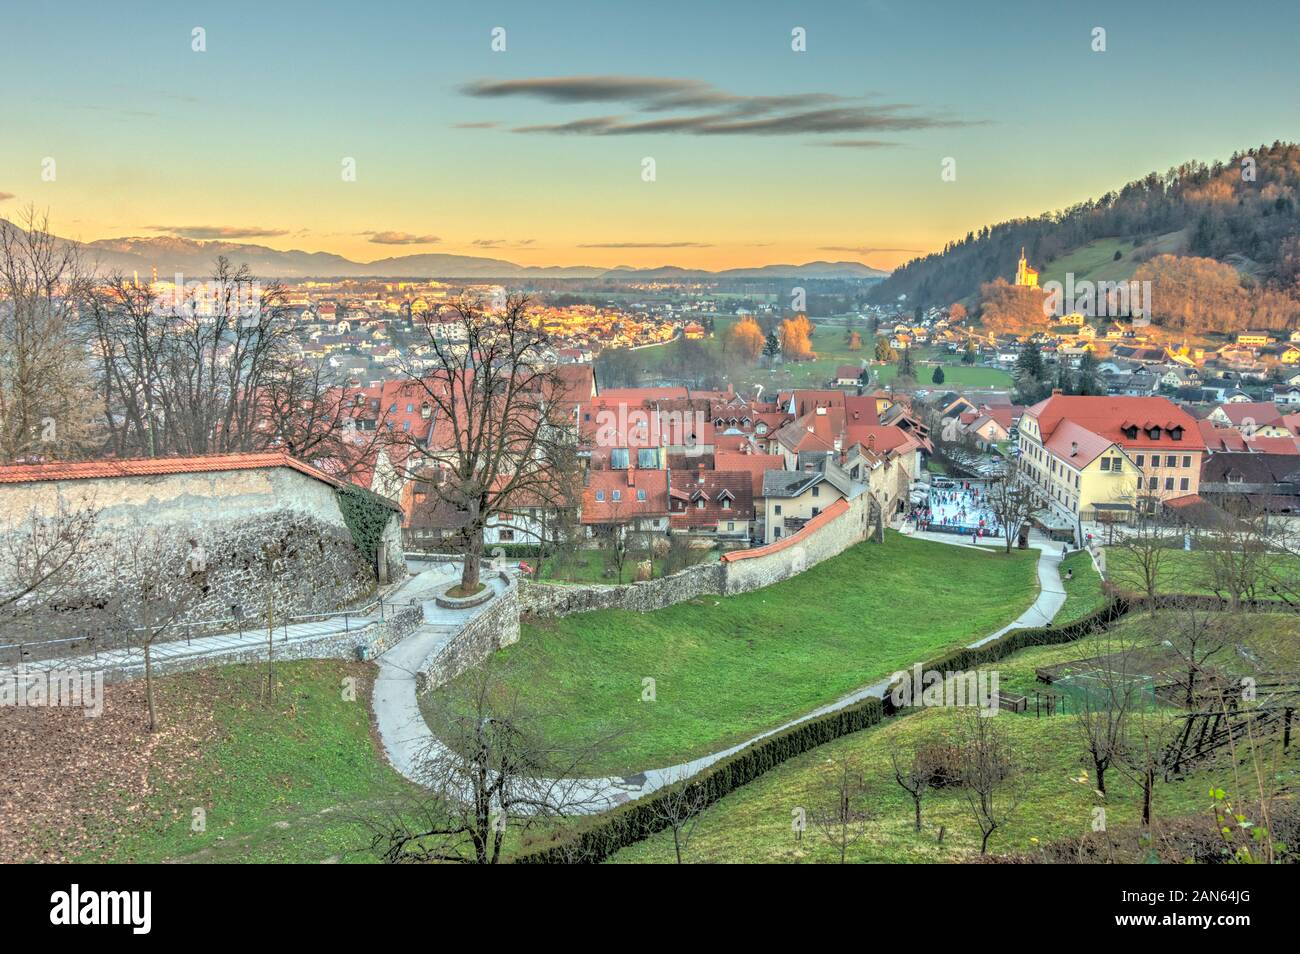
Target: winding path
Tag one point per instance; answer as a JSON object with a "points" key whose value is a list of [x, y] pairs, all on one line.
{"points": [[408, 741]]}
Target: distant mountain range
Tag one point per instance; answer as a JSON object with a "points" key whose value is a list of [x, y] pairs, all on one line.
{"points": [[195, 258]]}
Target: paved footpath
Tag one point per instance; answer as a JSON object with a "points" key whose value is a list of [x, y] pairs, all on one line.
{"points": [[408, 740], [211, 650]]}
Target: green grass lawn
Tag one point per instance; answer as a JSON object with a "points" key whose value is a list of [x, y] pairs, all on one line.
{"points": [[1083, 594], [1057, 797], [1093, 262], [725, 668], [589, 566], [1192, 571], [285, 782]]}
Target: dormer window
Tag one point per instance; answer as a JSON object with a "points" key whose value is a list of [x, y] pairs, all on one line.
{"points": [[1175, 433], [1131, 431], [1154, 432]]}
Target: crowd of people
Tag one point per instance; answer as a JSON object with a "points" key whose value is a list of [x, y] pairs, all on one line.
{"points": [[959, 507]]}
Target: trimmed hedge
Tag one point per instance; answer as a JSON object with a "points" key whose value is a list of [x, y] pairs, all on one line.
{"points": [[605, 834]]}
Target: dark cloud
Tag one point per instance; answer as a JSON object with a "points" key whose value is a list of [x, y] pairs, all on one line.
{"points": [[218, 231], [401, 238], [710, 111], [589, 89], [646, 245], [502, 243], [484, 125], [6, 196]]}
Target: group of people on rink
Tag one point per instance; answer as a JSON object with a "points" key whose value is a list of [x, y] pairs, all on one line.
{"points": [[961, 507]]}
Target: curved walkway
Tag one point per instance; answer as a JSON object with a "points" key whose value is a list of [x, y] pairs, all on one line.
{"points": [[408, 741]]}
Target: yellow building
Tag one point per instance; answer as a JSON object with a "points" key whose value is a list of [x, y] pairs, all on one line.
{"points": [[1101, 458], [1026, 276]]}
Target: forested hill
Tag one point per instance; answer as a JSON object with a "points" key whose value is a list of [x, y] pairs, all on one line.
{"points": [[1226, 211]]}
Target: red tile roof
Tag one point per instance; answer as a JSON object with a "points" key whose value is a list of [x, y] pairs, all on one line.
{"points": [[1105, 418], [689, 488], [156, 466], [756, 465], [626, 483]]}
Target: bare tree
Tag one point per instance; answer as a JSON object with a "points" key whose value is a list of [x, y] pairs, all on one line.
{"points": [[913, 774], [843, 821], [497, 420], [1196, 635], [215, 369], [1012, 500], [155, 586], [678, 808], [989, 775], [1113, 690], [44, 367], [489, 769], [40, 557]]}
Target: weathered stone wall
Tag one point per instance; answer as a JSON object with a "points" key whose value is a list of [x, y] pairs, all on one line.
{"points": [[202, 538], [494, 628], [560, 599]]}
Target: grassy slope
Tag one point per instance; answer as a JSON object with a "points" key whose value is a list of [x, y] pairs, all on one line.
{"points": [[727, 667], [279, 783], [1083, 594], [754, 824]]}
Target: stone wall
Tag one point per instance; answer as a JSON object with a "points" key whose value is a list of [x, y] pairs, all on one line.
{"points": [[198, 540], [560, 599], [829, 534], [494, 628]]}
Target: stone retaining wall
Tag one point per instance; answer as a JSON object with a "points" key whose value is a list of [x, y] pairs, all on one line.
{"points": [[560, 599], [494, 628]]}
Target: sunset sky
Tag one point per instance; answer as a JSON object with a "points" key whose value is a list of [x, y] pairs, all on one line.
{"points": [[535, 154]]}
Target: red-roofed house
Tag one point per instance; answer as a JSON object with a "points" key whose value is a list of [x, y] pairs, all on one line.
{"points": [[1252, 418], [1097, 458], [713, 502], [631, 499]]}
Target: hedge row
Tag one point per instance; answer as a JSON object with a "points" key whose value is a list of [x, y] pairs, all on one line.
{"points": [[628, 824], [597, 839]]}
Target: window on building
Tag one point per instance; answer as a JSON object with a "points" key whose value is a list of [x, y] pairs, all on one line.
{"points": [[647, 458], [1187, 460], [1171, 461], [1184, 484], [1105, 463], [506, 536], [640, 495], [777, 510], [731, 525], [1152, 483], [1141, 460], [699, 504], [618, 458], [600, 496], [617, 496], [817, 491], [1169, 483]]}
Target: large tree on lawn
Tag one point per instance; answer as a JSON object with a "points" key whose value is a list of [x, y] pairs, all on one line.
{"points": [[499, 418]]}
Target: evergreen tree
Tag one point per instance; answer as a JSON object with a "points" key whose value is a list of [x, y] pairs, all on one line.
{"points": [[905, 367], [937, 377], [1085, 379], [968, 354], [771, 347]]}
